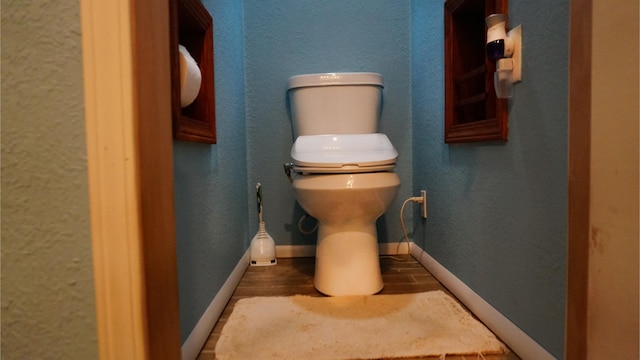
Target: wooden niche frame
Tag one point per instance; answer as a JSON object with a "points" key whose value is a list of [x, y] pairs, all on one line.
{"points": [[191, 25], [472, 110]]}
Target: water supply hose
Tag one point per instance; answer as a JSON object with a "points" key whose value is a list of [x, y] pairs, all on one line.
{"points": [[305, 232]]}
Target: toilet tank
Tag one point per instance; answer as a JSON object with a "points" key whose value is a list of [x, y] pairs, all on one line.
{"points": [[335, 103]]}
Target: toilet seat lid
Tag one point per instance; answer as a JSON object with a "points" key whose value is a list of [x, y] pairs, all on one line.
{"points": [[343, 150]]}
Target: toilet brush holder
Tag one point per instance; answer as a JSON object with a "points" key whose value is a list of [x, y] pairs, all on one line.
{"points": [[263, 248]]}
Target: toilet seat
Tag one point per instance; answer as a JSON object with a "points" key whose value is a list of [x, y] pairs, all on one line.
{"points": [[343, 153], [345, 169]]}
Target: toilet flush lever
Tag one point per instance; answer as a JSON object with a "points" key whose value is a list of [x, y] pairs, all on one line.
{"points": [[287, 170]]}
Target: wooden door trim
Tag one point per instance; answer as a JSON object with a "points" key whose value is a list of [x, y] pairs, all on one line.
{"points": [[129, 152], [579, 179]]}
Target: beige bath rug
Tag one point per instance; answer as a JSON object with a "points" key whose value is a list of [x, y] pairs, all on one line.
{"points": [[353, 327]]}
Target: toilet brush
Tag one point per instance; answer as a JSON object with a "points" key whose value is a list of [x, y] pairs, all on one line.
{"points": [[263, 248]]}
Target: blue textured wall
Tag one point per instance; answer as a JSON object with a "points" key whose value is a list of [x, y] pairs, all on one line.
{"points": [[498, 211], [210, 180], [290, 37]]}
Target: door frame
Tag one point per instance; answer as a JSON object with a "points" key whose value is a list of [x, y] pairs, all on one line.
{"points": [[579, 179], [127, 90]]}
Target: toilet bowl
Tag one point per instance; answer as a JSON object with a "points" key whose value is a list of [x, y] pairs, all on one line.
{"points": [[343, 175], [347, 207]]}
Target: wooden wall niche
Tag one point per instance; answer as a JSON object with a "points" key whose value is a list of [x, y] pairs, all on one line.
{"points": [[192, 26], [472, 110]]}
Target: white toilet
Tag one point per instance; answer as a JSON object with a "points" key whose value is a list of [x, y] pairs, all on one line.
{"points": [[343, 175]]}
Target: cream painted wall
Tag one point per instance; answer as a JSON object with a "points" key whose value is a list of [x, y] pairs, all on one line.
{"points": [[47, 277], [613, 257]]}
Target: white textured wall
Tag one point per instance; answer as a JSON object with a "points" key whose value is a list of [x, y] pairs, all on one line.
{"points": [[47, 280]]}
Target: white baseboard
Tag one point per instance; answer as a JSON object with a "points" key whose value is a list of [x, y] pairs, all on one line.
{"points": [[292, 251], [523, 345], [394, 248], [200, 333]]}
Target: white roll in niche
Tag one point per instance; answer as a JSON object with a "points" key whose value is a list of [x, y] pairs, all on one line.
{"points": [[192, 27], [190, 77]]}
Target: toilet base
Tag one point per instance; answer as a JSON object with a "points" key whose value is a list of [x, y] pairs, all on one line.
{"points": [[347, 261]]}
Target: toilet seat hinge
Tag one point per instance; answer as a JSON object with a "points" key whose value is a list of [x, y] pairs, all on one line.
{"points": [[287, 170]]}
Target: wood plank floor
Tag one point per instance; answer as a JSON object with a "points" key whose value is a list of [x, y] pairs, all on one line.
{"points": [[401, 274]]}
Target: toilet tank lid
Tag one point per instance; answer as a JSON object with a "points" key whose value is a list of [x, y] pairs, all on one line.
{"points": [[343, 149], [327, 79]]}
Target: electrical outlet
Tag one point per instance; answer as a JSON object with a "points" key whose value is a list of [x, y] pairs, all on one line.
{"points": [[424, 203]]}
